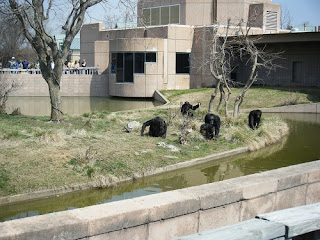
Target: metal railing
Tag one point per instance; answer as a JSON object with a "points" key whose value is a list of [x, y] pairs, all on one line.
{"points": [[80, 70]]}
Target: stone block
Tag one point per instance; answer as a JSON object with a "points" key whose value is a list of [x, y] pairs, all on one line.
{"points": [[313, 193], [113, 216], [151, 44], [183, 32], [134, 233], [101, 46], [183, 46], [171, 45], [151, 84], [291, 197], [216, 194], [288, 177], [139, 85], [253, 207], [139, 44], [173, 228], [171, 63], [61, 225], [218, 217], [170, 204], [255, 185], [171, 84]]}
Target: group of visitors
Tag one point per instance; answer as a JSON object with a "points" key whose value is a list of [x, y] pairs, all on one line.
{"points": [[14, 64], [71, 68]]}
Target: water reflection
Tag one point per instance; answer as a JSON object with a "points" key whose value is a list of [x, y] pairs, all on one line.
{"points": [[299, 147], [40, 106]]}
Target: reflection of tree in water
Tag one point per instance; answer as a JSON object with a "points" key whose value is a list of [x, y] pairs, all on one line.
{"points": [[242, 165], [260, 160], [211, 172]]}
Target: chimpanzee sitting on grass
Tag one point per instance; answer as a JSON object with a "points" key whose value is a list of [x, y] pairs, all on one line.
{"points": [[187, 107], [212, 122], [254, 118], [158, 127]]}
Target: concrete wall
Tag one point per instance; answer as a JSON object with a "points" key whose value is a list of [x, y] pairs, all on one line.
{"points": [[71, 85], [178, 213], [304, 53]]}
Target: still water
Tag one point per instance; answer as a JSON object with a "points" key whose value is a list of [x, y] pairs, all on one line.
{"points": [[302, 145], [40, 106]]}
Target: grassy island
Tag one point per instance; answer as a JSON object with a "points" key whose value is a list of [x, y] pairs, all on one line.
{"points": [[94, 147]]}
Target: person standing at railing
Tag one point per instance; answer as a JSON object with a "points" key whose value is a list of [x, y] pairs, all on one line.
{"points": [[12, 63], [76, 66], [25, 64]]}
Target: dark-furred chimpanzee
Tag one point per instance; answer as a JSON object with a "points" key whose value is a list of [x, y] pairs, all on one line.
{"points": [[207, 130], [187, 107], [214, 121], [158, 127], [254, 118]]}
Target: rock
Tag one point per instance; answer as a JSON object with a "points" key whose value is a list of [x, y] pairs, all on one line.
{"points": [[171, 147], [132, 125]]}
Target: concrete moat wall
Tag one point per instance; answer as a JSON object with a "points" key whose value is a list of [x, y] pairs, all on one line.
{"points": [[178, 213], [72, 85]]}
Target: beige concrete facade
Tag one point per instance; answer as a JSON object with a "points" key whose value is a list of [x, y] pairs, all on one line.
{"points": [[186, 38], [72, 85], [178, 213]]}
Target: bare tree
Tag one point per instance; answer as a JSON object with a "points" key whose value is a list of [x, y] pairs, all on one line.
{"points": [[256, 57], [229, 49], [285, 18], [220, 66], [33, 16], [5, 89]]}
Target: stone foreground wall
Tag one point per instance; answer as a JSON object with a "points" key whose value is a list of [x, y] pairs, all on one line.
{"points": [[71, 85], [178, 213]]}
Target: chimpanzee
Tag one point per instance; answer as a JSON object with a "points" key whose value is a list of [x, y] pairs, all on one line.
{"points": [[158, 127], [187, 107], [254, 118], [214, 121], [207, 129]]}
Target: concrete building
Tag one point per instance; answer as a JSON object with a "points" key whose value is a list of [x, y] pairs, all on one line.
{"points": [[169, 48]]}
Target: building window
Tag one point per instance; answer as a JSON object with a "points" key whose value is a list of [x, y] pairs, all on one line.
{"points": [[297, 72], [161, 15], [124, 65], [175, 14], [139, 63], [164, 16], [155, 16], [151, 57], [183, 63]]}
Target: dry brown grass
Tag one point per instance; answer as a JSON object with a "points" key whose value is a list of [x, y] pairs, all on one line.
{"points": [[35, 154]]}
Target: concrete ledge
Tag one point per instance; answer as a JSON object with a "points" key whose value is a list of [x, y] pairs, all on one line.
{"points": [[300, 108], [284, 224], [160, 98], [178, 213]]}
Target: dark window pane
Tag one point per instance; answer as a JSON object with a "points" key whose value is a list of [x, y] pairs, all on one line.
{"points": [[146, 16], [151, 57], [175, 14], [139, 63], [164, 15], [155, 16], [182, 63], [113, 62], [119, 67], [128, 67]]}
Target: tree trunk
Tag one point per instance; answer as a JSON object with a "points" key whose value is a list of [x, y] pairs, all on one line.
{"points": [[226, 101], [213, 96], [222, 95], [55, 100], [252, 78]]}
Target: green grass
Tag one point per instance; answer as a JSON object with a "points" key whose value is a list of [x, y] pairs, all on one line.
{"points": [[36, 154]]}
